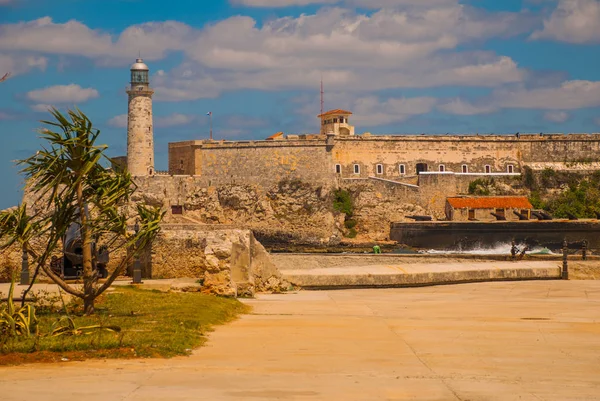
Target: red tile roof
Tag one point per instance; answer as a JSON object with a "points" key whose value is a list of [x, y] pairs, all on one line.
{"points": [[335, 111], [490, 202]]}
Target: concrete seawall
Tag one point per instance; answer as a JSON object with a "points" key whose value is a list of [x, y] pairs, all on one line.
{"points": [[449, 235], [351, 271]]}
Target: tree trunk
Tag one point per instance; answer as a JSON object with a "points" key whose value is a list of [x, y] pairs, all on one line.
{"points": [[86, 245], [88, 305]]}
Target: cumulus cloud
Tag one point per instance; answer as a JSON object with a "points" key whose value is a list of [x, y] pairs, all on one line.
{"points": [[62, 94], [119, 121], [464, 108], [360, 3], [174, 119], [152, 39], [573, 21], [556, 116], [350, 51], [569, 95], [42, 108], [18, 64]]}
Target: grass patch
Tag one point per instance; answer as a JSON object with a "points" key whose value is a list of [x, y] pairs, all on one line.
{"points": [[154, 324]]}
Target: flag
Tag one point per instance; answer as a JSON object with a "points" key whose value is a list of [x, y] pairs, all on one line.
{"points": [[209, 113]]}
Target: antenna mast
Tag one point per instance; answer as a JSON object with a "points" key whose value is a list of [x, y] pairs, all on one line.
{"points": [[322, 95]]}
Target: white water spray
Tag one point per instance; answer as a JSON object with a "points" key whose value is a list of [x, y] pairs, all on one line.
{"points": [[496, 249]]}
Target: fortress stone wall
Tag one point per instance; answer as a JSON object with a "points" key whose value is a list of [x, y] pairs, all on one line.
{"points": [[364, 156]]}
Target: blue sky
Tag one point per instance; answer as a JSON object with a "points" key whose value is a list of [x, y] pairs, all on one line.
{"points": [[402, 66]]}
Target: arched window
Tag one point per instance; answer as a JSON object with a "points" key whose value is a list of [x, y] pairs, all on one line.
{"points": [[380, 169]]}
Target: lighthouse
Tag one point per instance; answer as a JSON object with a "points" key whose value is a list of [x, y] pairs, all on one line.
{"points": [[140, 137]]}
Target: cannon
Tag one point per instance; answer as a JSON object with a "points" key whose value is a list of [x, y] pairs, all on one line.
{"points": [[541, 215], [499, 217], [571, 216], [521, 216], [420, 218], [72, 260]]}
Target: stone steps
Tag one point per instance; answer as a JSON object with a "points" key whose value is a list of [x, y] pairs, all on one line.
{"points": [[420, 274]]}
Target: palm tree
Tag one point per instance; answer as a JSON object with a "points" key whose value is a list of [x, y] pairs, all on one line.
{"points": [[73, 188]]}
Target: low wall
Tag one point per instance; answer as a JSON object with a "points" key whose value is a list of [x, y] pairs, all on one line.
{"points": [[228, 262]]}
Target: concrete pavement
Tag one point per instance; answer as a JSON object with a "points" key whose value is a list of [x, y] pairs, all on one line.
{"points": [[533, 340]]}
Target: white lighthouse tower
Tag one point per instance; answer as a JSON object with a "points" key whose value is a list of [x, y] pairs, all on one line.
{"points": [[140, 138]]}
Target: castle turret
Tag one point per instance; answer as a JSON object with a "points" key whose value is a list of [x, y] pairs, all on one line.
{"points": [[140, 138], [335, 122]]}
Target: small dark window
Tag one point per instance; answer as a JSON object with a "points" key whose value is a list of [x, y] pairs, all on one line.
{"points": [[442, 168], [338, 168], [471, 214], [335, 120], [176, 209], [380, 169], [356, 169], [465, 168], [402, 169], [488, 169], [510, 169]]}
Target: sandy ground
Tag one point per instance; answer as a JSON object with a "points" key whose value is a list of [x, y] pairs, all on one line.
{"points": [[534, 340]]}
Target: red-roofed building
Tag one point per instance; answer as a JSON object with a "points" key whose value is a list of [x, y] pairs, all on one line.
{"points": [[470, 208], [335, 122]]}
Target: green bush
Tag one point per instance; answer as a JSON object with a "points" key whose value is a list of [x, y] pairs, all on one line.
{"points": [[351, 233], [342, 202], [528, 178], [481, 187], [350, 224]]}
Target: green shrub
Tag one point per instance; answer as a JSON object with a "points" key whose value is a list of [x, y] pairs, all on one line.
{"points": [[351, 233], [481, 187], [350, 224], [528, 178], [342, 202]]}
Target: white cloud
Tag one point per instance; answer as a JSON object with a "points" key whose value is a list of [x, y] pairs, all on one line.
{"points": [[463, 108], [174, 119], [371, 110], [352, 52], [360, 3], [556, 116], [152, 39], [18, 64], [62, 94], [42, 108], [119, 121], [569, 95], [573, 21]]}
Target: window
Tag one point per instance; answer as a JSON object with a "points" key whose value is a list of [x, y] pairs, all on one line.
{"points": [[465, 168], [356, 169], [421, 167], [471, 214], [176, 209], [402, 169], [338, 169], [380, 169], [510, 168], [488, 169], [442, 168], [335, 120]]}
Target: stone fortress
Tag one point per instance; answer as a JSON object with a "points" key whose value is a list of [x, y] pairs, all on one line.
{"points": [[282, 187]]}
